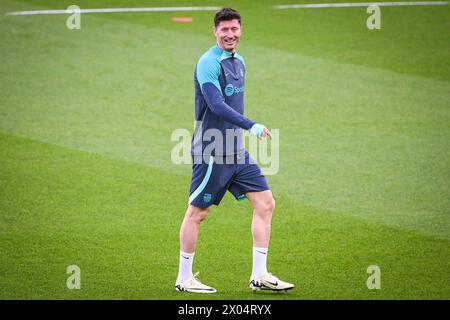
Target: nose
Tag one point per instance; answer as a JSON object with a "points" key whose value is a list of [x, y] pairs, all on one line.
{"points": [[229, 34]]}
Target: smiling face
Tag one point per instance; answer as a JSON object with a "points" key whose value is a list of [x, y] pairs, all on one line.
{"points": [[228, 33]]}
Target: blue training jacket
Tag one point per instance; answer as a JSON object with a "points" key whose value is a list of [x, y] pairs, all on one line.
{"points": [[219, 104]]}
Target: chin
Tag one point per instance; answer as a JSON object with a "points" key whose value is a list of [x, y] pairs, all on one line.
{"points": [[230, 47]]}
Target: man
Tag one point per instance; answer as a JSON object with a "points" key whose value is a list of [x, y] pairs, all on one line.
{"points": [[219, 107]]}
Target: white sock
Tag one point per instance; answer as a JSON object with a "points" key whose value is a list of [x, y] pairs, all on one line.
{"points": [[259, 262], [185, 269]]}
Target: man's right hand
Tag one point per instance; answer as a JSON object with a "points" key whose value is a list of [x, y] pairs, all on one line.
{"points": [[260, 131]]}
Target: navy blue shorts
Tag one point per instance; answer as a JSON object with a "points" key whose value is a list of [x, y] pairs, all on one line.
{"points": [[210, 181]]}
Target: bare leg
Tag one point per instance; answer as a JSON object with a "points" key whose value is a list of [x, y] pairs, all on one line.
{"points": [[190, 227], [188, 239], [263, 207]]}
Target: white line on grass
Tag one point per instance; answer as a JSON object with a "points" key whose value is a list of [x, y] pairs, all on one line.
{"points": [[345, 5], [110, 10]]}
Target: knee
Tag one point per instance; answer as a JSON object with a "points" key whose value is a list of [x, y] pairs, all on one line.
{"points": [[271, 205], [267, 206], [198, 214]]}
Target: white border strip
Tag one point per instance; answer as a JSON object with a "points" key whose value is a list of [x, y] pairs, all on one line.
{"points": [[110, 10], [345, 5]]}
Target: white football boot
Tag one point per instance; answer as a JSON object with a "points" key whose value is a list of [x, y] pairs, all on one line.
{"points": [[194, 285], [270, 282]]}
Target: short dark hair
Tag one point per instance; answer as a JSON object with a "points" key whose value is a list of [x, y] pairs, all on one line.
{"points": [[226, 14]]}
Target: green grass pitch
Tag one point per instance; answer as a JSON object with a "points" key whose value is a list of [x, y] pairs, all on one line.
{"points": [[86, 176]]}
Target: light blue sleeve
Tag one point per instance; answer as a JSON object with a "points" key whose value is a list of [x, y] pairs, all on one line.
{"points": [[208, 71]]}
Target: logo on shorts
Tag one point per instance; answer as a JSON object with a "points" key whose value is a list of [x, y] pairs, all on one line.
{"points": [[207, 197]]}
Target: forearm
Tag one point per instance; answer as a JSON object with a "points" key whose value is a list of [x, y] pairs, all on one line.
{"points": [[218, 106]]}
